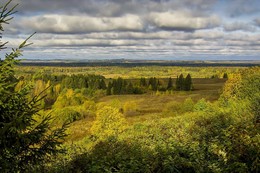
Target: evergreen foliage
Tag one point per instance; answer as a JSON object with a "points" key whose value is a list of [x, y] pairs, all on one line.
{"points": [[181, 82], [184, 84], [170, 84], [225, 76], [83, 81], [109, 87], [121, 86], [177, 83], [143, 82], [154, 83], [102, 84], [23, 141], [188, 83], [130, 88]]}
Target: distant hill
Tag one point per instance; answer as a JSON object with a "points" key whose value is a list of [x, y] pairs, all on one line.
{"points": [[134, 63]]}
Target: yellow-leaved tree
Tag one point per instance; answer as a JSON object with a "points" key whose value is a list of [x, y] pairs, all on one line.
{"points": [[109, 122], [130, 108], [232, 86]]}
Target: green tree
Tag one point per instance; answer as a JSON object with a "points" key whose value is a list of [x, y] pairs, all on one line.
{"points": [[23, 140], [153, 82], [188, 83], [82, 83], [201, 105], [177, 83], [67, 82], [181, 82], [109, 87], [115, 87], [102, 84], [225, 76], [170, 85], [130, 88], [143, 82]]}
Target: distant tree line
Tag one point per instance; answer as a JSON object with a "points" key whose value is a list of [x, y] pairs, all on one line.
{"points": [[154, 84], [184, 84], [73, 81], [84, 81], [225, 76], [121, 86]]}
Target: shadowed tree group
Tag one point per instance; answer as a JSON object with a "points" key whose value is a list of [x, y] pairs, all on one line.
{"points": [[184, 84]]}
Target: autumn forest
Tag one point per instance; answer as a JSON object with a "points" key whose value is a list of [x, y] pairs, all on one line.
{"points": [[141, 118]]}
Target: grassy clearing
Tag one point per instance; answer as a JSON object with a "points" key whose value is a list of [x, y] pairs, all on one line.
{"points": [[149, 106], [79, 129], [204, 88]]}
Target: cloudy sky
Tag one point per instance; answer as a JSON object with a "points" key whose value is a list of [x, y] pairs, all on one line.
{"points": [[138, 29]]}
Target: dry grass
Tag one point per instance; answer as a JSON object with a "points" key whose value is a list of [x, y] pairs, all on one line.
{"points": [[79, 129], [209, 89], [150, 106]]}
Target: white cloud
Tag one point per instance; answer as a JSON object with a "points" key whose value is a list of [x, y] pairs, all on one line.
{"points": [[183, 21], [208, 34], [236, 26], [81, 24], [131, 35]]}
